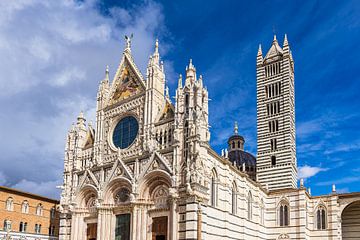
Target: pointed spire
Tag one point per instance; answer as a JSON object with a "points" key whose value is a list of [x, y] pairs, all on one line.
{"points": [[190, 74], [180, 81], [157, 46], [275, 40], [236, 128], [200, 81], [285, 40], [259, 51], [107, 73], [167, 95]]}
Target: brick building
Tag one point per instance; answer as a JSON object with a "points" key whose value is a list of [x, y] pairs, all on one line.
{"points": [[27, 216]]}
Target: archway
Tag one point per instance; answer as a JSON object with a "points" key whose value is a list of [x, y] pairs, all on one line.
{"points": [[350, 222]]}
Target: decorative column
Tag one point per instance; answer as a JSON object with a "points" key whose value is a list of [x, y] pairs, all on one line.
{"points": [[133, 223], [104, 228], [78, 226], [143, 223], [173, 214]]}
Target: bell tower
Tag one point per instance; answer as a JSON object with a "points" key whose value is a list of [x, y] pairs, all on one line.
{"points": [[276, 156]]}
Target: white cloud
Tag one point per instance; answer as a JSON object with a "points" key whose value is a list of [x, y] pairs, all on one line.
{"points": [[43, 188], [306, 171], [53, 55], [344, 180]]}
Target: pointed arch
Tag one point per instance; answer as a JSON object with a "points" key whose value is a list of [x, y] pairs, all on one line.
{"points": [[321, 217], [214, 187], [234, 194], [283, 211], [249, 205]]}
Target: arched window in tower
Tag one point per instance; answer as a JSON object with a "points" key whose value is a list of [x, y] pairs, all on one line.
{"points": [[214, 188], [233, 145], [234, 199], [9, 205], [284, 214], [249, 207], [273, 160], [321, 218]]}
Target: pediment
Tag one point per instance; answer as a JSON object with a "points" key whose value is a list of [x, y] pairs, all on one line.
{"points": [[127, 82], [88, 178], [119, 169], [90, 138], [168, 112], [156, 162]]}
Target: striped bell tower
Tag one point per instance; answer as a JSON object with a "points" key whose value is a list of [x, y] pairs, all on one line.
{"points": [[276, 156]]}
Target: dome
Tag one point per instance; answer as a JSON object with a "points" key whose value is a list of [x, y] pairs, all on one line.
{"points": [[240, 157]]}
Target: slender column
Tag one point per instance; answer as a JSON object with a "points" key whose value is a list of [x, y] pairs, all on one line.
{"points": [[138, 223], [133, 223], [143, 224], [173, 220], [104, 228]]}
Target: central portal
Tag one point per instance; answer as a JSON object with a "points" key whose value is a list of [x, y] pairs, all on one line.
{"points": [[122, 229], [159, 228]]}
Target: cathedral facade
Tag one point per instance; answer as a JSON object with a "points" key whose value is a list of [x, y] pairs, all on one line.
{"points": [[146, 170]]}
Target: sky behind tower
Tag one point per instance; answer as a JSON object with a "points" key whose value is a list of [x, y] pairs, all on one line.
{"points": [[53, 55]]}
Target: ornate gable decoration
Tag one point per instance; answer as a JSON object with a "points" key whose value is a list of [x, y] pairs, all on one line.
{"points": [[87, 179], [119, 169], [127, 82], [156, 162], [89, 138], [168, 112]]}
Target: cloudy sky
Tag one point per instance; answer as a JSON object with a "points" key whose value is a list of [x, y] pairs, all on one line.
{"points": [[53, 55]]}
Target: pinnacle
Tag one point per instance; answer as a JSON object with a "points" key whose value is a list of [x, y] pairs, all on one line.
{"points": [[285, 40], [259, 50]]}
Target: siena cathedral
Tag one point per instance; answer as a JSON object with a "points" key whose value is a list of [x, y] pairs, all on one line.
{"points": [[146, 170]]}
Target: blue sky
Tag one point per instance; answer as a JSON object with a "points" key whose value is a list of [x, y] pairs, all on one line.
{"points": [[53, 55]]}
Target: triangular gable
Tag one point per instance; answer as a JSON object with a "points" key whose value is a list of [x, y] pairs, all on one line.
{"points": [[87, 179], [119, 169], [90, 138], [127, 82], [275, 50], [168, 111], [157, 161]]}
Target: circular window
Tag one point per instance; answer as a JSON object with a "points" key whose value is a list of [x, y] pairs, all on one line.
{"points": [[125, 132]]}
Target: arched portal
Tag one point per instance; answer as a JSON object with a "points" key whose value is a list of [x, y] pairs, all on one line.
{"points": [[350, 222]]}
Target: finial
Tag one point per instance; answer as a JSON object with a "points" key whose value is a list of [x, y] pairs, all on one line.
{"points": [[301, 182], [285, 40], [333, 188], [236, 128], [157, 46], [180, 81], [274, 38], [107, 72], [81, 115], [167, 92], [128, 42], [259, 50], [309, 191]]}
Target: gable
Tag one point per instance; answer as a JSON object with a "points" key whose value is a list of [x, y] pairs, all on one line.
{"points": [[127, 82], [168, 112]]}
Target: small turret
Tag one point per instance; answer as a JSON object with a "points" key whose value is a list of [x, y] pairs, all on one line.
{"points": [[190, 74]]}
